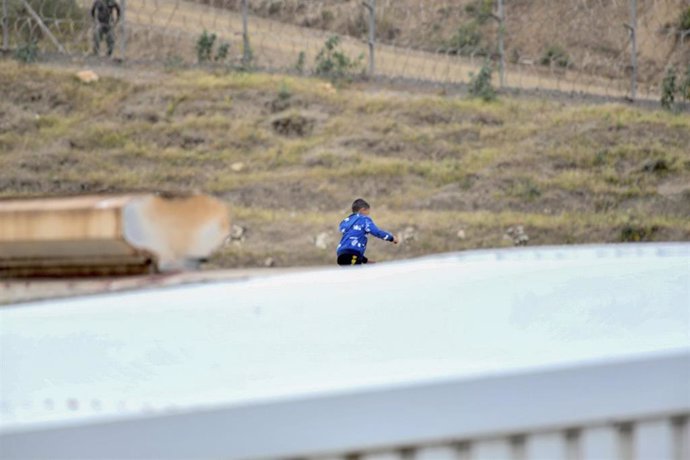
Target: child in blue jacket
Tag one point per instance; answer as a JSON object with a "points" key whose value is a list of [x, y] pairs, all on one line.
{"points": [[355, 230]]}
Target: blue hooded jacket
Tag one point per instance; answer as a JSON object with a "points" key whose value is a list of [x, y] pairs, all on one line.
{"points": [[355, 230]]}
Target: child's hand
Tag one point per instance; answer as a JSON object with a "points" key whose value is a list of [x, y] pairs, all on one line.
{"points": [[395, 240]]}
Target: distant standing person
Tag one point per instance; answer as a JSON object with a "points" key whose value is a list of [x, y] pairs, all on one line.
{"points": [[106, 14], [355, 230]]}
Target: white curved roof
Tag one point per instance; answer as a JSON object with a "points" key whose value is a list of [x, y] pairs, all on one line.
{"points": [[455, 319]]}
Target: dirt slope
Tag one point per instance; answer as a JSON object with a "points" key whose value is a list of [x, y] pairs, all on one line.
{"points": [[591, 32], [291, 154], [168, 29]]}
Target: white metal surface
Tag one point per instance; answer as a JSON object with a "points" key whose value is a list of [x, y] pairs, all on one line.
{"points": [[475, 346]]}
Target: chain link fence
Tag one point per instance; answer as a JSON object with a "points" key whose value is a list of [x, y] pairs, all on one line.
{"points": [[614, 48]]}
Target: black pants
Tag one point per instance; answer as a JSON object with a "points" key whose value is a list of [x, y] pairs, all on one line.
{"points": [[349, 258]]}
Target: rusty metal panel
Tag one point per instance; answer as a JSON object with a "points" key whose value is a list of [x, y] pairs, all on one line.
{"points": [[107, 234]]}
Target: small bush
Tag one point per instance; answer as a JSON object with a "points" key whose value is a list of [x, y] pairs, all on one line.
{"points": [[514, 56], [293, 125], [554, 54], [222, 52], [204, 47], [387, 28], [27, 53], [284, 92], [275, 8], [684, 87], [656, 165], [631, 233], [684, 22], [248, 58], [173, 62], [525, 189], [332, 62], [480, 84], [357, 26], [467, 40], [327, 17], [482, 10], [668, 89], [301, 59], [601, 158]]}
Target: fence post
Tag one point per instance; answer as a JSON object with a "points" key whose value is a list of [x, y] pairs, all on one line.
{"points": [[123, 29], [246, 50], [632, 29], [5, 26], [371, 6], [633, 56], [501, 48]]}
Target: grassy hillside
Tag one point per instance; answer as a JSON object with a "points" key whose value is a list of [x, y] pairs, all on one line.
{"points": [[289, 155]]}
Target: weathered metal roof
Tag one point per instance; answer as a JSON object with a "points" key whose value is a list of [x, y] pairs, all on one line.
{"points": [[120, 234]]}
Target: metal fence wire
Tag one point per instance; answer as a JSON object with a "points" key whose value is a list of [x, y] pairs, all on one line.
{"points": [[617, 48]]}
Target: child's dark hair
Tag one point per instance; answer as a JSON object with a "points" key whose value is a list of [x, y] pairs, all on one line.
{"points": [[359, 204]]}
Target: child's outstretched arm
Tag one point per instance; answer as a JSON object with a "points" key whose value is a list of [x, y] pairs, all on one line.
{"points": [[370, 227]]}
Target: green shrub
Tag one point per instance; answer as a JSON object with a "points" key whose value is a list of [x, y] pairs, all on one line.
{"points": [[675, 86], [333, 63], [204, 47], [525, 189], [275, 8], [299, 65], [668, 89], [248, 58], [284, 92], [387, 28], [480, 84], [327, 17], [467, 40], [173, 62], [482, 10], [684, 22], [632, 232], [514, 56], [222, 52], [684, 88], [27, 53], [357, 26], [601, 158], [554, 54], [657, 166]]}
